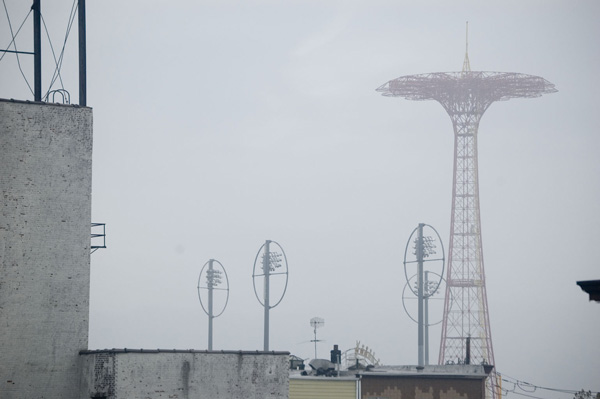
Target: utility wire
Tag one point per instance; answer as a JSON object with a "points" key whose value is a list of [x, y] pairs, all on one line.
{"points": [[15, 36], [524, 394], [527, 388], [58, 63], [506, 391], [57, 70], [15, 44]]}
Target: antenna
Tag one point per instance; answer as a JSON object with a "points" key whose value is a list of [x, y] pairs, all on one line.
{"points": [[270, 263], [209, 280], [466, 63], [316, 322]]}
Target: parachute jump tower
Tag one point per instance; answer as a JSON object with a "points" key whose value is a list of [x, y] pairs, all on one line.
{"points": [[465, 96]]}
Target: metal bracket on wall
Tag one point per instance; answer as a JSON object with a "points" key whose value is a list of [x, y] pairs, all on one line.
{"points": [[98, 236]]}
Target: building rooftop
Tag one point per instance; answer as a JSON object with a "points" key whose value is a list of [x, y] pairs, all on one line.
{"points": [[229, 352], [449, 370], [430, 371]]}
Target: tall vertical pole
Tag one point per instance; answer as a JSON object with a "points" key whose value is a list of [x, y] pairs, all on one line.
{"points": [[211, 283], [315, 340], [426, 316], [82, 55], [37, 51], [267, 270], [420, 289]]}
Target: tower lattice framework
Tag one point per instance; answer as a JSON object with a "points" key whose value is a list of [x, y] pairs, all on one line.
{"points": [[466, 96]]}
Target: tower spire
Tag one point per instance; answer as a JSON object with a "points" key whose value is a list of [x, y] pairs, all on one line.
{"points": [[466, 63]]}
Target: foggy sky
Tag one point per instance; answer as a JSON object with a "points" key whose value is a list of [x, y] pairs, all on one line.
{"points": [[220, 124]]}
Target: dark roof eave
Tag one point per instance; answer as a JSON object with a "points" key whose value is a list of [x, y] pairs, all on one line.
{"points": [[591, 287]]}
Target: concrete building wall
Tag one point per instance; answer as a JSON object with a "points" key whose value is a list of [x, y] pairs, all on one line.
{"points": [[45, 188], [126, 374]]}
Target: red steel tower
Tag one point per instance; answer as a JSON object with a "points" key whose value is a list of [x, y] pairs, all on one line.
{"points": [[465, 96]]}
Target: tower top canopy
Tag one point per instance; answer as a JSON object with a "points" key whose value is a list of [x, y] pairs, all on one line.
{"points": [[486, 86]]}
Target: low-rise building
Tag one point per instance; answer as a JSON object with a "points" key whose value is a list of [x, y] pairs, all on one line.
{"points": [[142, 374], [395, 382]]}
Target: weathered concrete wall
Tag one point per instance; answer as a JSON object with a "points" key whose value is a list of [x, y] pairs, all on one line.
{"points": [[126, 374], [45, 184]]}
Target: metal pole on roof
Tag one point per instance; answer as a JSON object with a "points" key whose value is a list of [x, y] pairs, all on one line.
{"points": [[420, 290], [214, 276], [37, 51], [269, 263], [426, 316], [82, 55], [267, 271], [210, 304]]}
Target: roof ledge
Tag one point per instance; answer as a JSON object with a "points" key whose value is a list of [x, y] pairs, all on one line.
{"points": [[592, 287]]}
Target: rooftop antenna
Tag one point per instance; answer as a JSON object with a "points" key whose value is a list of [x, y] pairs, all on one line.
{"points": [[316, 322], [466, 63], [212, 276], [270, 263]]}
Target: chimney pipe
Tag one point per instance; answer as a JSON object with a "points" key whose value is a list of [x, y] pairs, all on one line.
{"points": [[335, 355], [468, 358]]}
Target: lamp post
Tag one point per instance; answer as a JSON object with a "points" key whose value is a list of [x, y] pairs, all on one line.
{"points": [[213, 278], [271, 261], [423, 247]]}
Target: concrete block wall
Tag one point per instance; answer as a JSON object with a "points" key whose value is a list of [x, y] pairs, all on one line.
{"points": [[45, 210], [154, 374]]}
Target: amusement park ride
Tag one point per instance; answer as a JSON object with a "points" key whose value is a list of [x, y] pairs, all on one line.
{"points": [[465, 96]]}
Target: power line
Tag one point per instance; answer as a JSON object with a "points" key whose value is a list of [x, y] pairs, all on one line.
{"points": [[14, 44], [58, 63], [57, 70], [18, 30], [529, 388]]}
